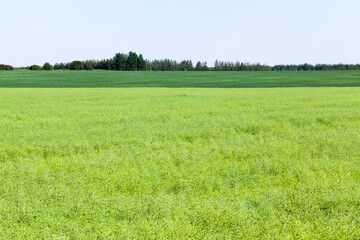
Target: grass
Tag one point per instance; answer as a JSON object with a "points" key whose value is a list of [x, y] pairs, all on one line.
{"points": [[96, 79], [179, 163]]}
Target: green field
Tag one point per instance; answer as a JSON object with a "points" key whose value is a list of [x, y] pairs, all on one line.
{"points": [[160, 163], [84, 79]]}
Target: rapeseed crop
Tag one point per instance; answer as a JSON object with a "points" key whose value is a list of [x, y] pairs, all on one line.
{"points": [[164, 163]]}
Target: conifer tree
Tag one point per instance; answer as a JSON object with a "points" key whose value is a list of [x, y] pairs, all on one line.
{"points": [[131, 62], [198, 66], [141, 64]]}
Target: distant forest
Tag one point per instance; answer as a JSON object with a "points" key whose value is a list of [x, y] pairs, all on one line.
{"points": [[134, 62]]}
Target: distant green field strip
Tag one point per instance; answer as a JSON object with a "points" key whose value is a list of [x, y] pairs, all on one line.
{"points": [[114, 79]]}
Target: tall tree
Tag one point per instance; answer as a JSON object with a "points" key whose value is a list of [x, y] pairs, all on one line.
{"points": [[120, 62], [204, 66], [141, 64], [47, 67], [131, 62], [198, 66], [76, 65], [89, 65], [216, 65]]}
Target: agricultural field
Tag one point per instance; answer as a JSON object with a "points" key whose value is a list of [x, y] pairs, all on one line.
{"points": [[111, 79], [171, 163]]}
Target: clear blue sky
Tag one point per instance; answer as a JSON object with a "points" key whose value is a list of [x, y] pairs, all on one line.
{"points": [[264, 31]]}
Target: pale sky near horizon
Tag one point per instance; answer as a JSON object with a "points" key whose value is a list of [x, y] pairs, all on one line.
{"points": [[261, 31]]}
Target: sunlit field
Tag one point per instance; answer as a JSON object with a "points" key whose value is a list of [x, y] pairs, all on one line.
{"points": [[159, 163]]}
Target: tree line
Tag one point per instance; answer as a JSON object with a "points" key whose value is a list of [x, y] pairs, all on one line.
{"points": [[6, 67], [120, 62], [134, 62]]}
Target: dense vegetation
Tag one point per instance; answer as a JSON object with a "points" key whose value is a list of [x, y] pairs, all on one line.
{"points": [[35, 68], [47, 67], [76, 65], [134, 62], [6, 67], [180, 163], [85, 79], [120, 62]]}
